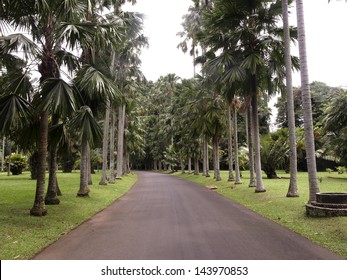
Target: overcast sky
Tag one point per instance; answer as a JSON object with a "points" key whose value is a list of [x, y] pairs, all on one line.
{"points": [[326, 28]]}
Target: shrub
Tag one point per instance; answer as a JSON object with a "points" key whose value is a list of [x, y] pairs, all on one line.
{"points": [[341, 169], [17, 163]]}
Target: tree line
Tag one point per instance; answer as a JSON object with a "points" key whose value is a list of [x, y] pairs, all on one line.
{"points": [[64, 66], [72, 91]]}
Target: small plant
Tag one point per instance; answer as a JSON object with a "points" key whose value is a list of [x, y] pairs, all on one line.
{"points": [[341, 169], [17, 163], [320, 179], [329, 170]]}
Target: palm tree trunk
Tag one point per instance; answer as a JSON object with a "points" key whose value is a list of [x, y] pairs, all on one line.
{"points": [[230, 145], [89, 167], [204, 162], [120, 146], [126, 168], [216, 158], [306, 105], [3, 154], [293, 185], [84, 190], [51, 195], [252, 182], [112, 129], [196, 164], [207, 158], [103, 180], [155, 165], [236, 149], [160, 165], [38, 208], [182, 165], [255, 133], [189, 164]]}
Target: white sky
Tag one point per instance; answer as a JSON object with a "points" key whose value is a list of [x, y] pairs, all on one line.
{"points": [[326, 28]]}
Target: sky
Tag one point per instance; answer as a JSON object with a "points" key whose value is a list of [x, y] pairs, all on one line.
{"points": [[326, 28]]}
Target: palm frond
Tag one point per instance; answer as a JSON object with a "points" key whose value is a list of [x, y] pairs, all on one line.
{"points": [[15, 111], [18, 43], [58, 97], [97, 85], [88, 128]]}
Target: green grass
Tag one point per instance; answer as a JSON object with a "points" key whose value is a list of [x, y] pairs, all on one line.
{"points": [[22, 235], [330, 232]]}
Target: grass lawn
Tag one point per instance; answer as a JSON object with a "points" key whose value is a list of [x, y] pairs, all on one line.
{"points": [[289, 212], [22, 235]]}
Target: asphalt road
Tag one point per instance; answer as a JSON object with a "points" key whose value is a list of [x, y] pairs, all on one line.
{"points": [[163, 217]]}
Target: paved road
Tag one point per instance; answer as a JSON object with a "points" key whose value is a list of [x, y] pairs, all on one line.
{"points": [[163, 217]]}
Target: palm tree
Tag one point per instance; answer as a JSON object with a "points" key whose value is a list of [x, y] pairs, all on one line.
{"points": [[293, 185], [112, 143], [247, 40], [306, 104], [230, 149], [50, 25], [103, 180], [252, 182], [235, 105], [120, 139], [42, 21], [89, 132]]}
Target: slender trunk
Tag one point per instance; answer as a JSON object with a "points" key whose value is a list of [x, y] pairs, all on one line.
{"points": [[306, 105], [252, 182], [236, 149], [216, 158], [255, 133], [51, 195], [3, 154], [207, 158], [89, 167], [196, 164], [189, 164], [230, 145], [9, 166], [120, 146], [155, 165], [182, 165], [38, 208], [112, 129], [126, 169], [204, 162], [293, 185], [103, 180], [84, 190], [160, 165]]}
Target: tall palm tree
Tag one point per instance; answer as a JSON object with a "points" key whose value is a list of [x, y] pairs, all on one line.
{"points": [[103, 180], [293, 185], [112, 144], [49, 26], [89, 132], [235, 105], [306, 104], [42, 22], [230, 145], [247, 40]]}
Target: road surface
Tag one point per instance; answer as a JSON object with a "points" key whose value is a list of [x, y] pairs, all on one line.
{"points": [[166, 218]]}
